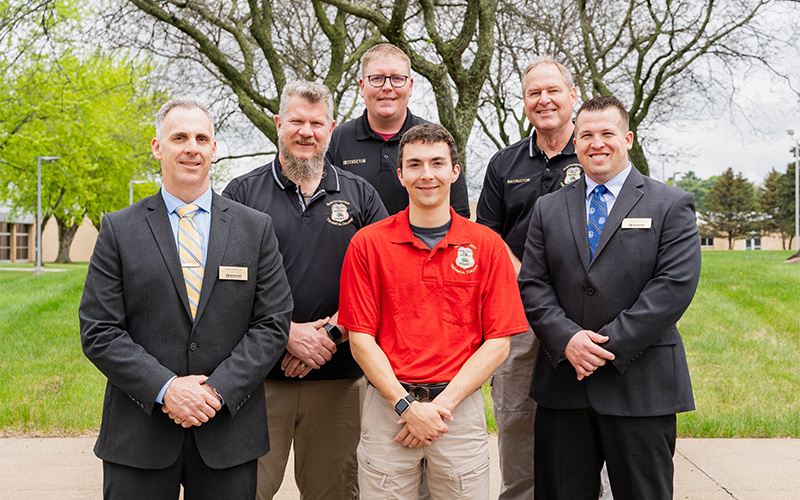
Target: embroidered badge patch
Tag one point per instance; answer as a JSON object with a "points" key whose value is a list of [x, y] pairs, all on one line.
{"points": [[340, 216], [572, 174], [465, 260]]}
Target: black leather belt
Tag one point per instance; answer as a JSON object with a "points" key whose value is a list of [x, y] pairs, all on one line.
{"points": [[424, 392]]}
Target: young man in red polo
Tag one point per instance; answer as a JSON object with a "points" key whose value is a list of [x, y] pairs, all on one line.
{"points": [[430, 301]]}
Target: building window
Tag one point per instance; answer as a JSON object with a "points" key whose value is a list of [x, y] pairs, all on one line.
{"points": [[752, 243], [22, 242], [706, 242], [5, 241]]}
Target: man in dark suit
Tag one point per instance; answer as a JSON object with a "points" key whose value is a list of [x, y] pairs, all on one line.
{"points": [[186, 308], [611, 263]]}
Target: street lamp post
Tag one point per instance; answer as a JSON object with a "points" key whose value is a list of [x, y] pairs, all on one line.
{"points": [[38, 269], [796, 191], [130, 189]]}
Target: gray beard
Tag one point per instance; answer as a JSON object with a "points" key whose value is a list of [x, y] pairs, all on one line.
{"points": [[299, 170]]}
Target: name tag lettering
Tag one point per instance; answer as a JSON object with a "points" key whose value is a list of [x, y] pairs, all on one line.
{"points": [[233, 273]]}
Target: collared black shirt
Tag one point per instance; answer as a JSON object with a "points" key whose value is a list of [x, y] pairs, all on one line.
{"points": [[356, 148], [515, 178], [313, 240]]}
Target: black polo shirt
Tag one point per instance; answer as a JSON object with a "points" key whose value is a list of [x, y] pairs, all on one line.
{"points": [[313, 240], [515, 178], [356, 148]]}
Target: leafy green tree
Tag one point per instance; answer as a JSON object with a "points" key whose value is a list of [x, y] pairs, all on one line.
{"points": [[731, 206], [698, 187], [786, 205], [768, 203], [93, 111]]}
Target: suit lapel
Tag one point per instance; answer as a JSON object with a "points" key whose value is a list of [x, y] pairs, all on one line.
{"points": [[158, 219], [576, 208], [629, 195], [217, 240]]}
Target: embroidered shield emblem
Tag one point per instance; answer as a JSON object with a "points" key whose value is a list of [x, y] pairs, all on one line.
{"points": [[573, 174], [465, 259], [339, 212]]}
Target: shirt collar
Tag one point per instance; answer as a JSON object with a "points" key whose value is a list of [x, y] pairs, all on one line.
{"points": [[364, 131], [614, 185], [533, 149], [458, 234], [173, 203], [329, 182]]}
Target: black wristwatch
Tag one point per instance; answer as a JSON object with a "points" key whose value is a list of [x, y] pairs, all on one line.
{"points": [[334, 333], [404, 404]]}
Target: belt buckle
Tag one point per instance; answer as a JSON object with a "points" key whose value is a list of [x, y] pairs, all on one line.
{"points": [[421, 393]]}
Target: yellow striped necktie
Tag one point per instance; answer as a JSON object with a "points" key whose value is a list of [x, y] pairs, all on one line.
{"points": [[190, 251]]}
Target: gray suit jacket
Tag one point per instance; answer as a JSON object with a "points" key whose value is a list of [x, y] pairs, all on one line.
{"points": [[634, 291], [136, 327]]}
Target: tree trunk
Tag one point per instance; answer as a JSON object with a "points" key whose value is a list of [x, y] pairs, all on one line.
{"points": [[794, 259], [66, 233], [637, 156]]}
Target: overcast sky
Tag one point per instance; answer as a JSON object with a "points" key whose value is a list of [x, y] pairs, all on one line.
{"points": [[709, 147]]}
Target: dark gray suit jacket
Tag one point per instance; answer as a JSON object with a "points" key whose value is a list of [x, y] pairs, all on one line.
{"points": [[136, 328], [634, 291]]}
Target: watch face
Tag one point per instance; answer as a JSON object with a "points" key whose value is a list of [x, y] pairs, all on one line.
{"points": [[401, 406]]}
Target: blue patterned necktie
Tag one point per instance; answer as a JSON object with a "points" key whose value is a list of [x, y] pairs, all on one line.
{"points": [[191, 254], [598, 213]]}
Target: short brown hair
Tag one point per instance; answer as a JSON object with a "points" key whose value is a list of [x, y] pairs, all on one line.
{"points": [[383, 50], [603, 102], [429, 133]]}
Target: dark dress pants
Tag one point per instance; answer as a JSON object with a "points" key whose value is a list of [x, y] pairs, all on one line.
{"points": [[571, 446], [200, 482]]}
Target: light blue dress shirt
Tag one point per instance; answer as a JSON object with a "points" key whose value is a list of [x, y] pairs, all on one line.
{"points": [[613, 187], [202, 219]]}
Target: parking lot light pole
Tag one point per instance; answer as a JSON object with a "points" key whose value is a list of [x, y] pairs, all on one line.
{"points": [[130, 189]]}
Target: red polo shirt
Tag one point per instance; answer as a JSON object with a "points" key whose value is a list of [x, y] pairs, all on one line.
{"points": [[429, 309]]}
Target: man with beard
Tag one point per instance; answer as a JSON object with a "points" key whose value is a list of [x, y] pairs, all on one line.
{"points": [[315, 394], [368, 145]]}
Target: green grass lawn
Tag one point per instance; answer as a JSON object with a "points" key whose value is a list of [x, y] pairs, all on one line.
{"points": [[47, 386], [742, 336]]}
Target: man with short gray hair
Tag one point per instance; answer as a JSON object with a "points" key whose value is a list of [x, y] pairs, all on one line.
{"points": [[516, 177], [185, 310], [315, 394]]}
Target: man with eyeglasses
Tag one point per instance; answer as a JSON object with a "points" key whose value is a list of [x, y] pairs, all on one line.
{"points": [[368, 145]]}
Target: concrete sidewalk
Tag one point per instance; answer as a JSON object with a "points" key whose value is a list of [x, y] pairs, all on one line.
{"points": [[705, 469]]}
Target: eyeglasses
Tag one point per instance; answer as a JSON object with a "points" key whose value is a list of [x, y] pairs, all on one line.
{"points": [[379, 81]]}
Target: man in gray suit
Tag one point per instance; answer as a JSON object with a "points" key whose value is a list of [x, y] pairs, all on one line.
{"points": [[611, 263], [186, 308]]}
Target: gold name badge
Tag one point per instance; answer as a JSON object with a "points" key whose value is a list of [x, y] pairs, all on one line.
{"points": [[637, 223], [233, 273]]}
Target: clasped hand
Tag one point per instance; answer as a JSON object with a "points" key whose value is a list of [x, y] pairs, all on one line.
{"points": [[189, 401], [584, 353], [423, 423], [309, 348]]}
